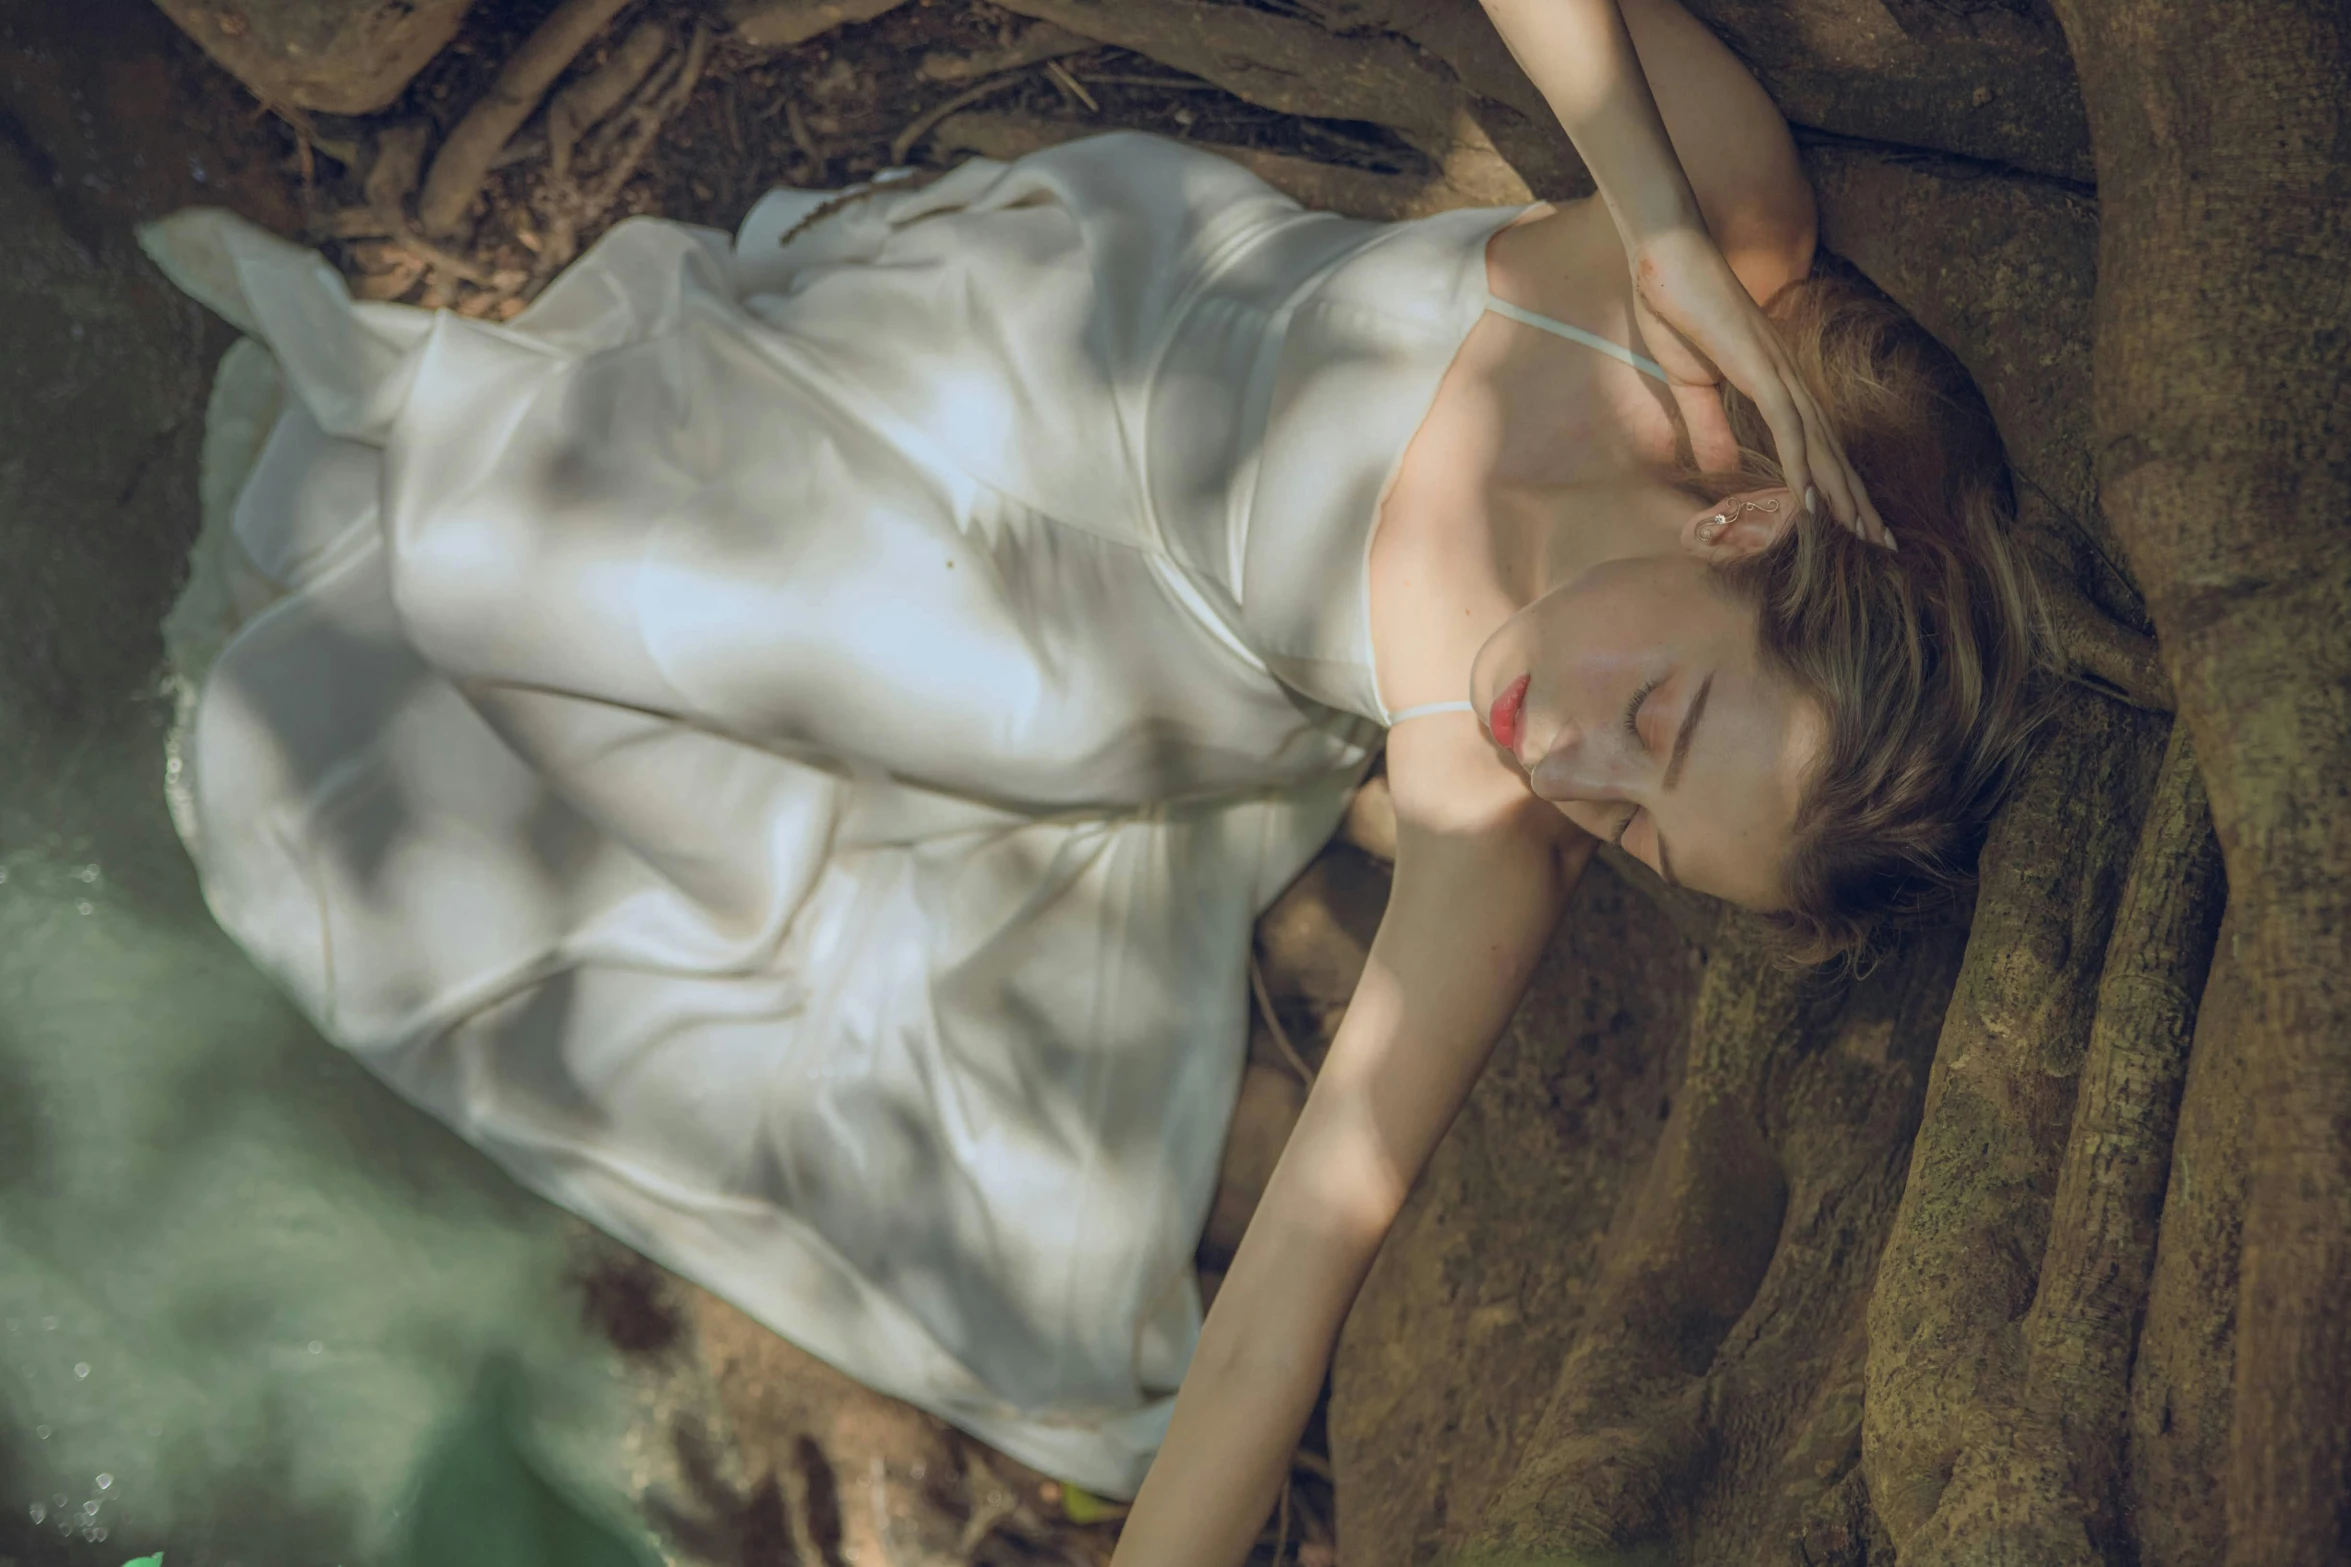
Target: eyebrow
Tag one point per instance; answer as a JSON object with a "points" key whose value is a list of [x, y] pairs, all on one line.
{"points": [[1681, 742], [1673, 770]]}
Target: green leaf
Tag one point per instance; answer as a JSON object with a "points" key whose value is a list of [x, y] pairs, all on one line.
{"points": [[147, 1561]]}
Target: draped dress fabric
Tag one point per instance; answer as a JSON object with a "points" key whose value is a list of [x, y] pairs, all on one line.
{"points": [[781, 744]]}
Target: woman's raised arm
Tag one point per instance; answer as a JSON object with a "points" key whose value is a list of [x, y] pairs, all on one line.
{"points": [[1469, 913], [1699, 319]]}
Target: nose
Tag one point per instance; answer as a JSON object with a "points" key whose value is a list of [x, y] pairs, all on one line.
{"points": [[1575, 766], [1553, 777], [1556, 773]]}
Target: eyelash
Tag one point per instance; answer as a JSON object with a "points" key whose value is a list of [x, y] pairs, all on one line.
{"points": [[1632, 709], [1632, 712]]}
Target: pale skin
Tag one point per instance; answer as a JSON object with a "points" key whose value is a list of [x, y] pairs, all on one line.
{"points": [[1530, 533]]}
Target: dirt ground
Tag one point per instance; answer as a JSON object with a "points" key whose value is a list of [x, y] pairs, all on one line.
{"points": [[826, 114]]}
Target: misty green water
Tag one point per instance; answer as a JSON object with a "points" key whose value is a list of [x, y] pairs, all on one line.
{"points": [[248, 1298], [254, 1309]]}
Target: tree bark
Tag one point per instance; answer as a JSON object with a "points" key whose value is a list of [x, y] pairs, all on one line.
{"points": [[1961, 1266], [2222, 137]]}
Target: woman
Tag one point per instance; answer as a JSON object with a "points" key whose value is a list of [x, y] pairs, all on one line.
{"points": [[782, 744]]}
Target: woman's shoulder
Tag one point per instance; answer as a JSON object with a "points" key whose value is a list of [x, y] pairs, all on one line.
{"points": [[1563, 260]]}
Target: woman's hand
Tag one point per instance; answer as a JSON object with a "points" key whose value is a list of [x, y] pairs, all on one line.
{"points": [[1703, 328]]}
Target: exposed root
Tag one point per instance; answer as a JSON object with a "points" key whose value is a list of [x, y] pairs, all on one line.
{"points": [[1296, 67], [1626, 1429], [396, 233], [398, 164], [779, 24], [2100, 652], [1358, 193], [1034, 46], [2041, 1477], [1963, 1261], [2183, 1371], [615, 149], [1289, 66], [465, 158], [588, 100]]}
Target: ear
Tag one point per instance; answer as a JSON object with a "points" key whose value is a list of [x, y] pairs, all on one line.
{"points": [[1740, 525]]}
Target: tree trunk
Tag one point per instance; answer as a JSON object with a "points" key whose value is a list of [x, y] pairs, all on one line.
{"points": [[2222, 137]]}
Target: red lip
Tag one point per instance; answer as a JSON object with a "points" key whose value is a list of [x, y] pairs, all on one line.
{"points": [[1508, 712]]}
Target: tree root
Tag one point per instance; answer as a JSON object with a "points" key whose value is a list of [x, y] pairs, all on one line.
{"points": [[1624, 1432], [2101, 652], [1288, 66], [1734, 1304], [1358, 193], [2040, 1479], [615, 149], [2182, 1373], [1962, 1262], [587, 101], [465, 157], [780, 24], [1035, 46], [1296, 67]]}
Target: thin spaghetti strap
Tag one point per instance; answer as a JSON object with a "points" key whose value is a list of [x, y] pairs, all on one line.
{"points": [[1426, 708], [1574, 334]]}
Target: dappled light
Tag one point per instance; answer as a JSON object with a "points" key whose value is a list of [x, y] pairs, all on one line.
{"points": [[696, 788]]}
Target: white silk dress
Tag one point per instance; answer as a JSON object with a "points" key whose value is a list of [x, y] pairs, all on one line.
{"points": [[781, 745]]}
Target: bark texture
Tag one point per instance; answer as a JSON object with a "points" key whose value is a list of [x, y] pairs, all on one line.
{"points": [[2223, 417]]}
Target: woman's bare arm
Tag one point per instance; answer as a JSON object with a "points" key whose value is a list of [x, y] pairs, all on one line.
{"points": [[1472, 907], [1670, 122], [1732, 143], [1697, 170]]}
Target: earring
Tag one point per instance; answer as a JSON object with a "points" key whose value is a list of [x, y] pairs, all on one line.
{"points": [[1711, 528]]}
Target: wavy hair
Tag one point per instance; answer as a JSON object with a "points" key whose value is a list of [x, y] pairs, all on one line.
{"points": [[1923, 659]]}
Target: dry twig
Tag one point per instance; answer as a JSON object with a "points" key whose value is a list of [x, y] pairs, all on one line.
{"points": [[922, 124]]}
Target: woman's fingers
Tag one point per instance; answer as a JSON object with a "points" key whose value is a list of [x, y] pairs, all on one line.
{"points": [[1850, 497], [1825, 462], [1789, 437], [1707, 338]]}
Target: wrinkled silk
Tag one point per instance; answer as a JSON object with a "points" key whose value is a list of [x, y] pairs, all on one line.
{"points": [[781, 745]]}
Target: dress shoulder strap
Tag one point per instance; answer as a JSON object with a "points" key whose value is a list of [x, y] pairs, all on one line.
{"points": [[1574, 334], [1424, 709]]}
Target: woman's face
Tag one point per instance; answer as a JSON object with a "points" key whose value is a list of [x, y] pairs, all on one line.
{"points": [[1645, 719]]}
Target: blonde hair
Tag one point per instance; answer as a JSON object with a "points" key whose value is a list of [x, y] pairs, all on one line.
{"points": [[1923, 659]]}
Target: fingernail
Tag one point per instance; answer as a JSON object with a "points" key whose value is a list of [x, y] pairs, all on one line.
{"points": [[1811, 500]]}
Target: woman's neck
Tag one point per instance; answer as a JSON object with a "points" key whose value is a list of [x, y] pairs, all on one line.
{"points": [[1555, 535]]}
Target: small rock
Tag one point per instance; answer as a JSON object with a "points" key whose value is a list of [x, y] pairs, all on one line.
{"points": [[339, 56]]}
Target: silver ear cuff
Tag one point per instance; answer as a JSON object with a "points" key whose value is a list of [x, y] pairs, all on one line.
{"points": [[1711, 528]]}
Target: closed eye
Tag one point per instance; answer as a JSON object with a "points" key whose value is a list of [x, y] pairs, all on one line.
{"points": [[1632, 709], [1632, 727]]}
